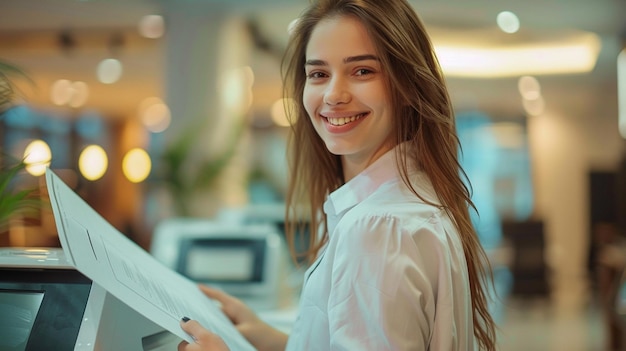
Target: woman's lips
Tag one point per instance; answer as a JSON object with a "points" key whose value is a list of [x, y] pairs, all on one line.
{"points": [[341, 124], [340, 121]]}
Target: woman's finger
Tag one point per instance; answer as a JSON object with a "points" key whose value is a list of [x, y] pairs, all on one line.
{"points": [[182, 346], [216, 294], [232, 307], [203, 339], [191, 327]]}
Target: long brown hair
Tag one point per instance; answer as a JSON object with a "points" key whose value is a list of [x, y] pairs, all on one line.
{"points": [[424, 119]]}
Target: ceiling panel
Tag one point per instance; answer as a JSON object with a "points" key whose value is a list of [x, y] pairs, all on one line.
{"points": [[144, 60]]}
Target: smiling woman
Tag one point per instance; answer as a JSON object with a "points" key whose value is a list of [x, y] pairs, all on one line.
{"points": [[397, 264]]}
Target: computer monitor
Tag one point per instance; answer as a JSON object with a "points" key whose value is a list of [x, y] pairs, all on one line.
{"points": [[245, 260], [40, 309], [46, 304]]}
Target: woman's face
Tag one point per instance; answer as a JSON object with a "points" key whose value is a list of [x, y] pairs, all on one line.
{"points": [[345, 94]]}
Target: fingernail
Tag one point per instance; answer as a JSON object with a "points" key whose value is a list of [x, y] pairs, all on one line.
{"points": [[186, 319]]}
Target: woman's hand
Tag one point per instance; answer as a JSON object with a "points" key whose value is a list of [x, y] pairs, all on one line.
{"points": [[261, 335], [204, 339]]}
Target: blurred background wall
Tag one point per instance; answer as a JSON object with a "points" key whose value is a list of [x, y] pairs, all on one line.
{"points": [[157, 109]]}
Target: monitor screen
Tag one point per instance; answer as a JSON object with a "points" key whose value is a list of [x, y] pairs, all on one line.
{"points": [[223, 264], [18, 310], [41, 309], [222, 260]]}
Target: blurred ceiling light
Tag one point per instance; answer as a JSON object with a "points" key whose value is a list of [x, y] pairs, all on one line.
{"points": [[534, 107], [621, 91], [136, 165], [93, 162], [529, 87], [80, 93], [37, 156], [278, 114], [151, 26], [109, 71], [508, 22], [154, 114], [465, 55], [61, 92], [64, 92]]}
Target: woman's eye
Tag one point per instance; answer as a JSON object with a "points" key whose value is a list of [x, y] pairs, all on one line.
{"points": [[314, 75], [363, 72]]}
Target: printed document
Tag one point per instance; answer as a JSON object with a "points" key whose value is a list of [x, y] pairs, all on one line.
{"points": [[131, 274]]}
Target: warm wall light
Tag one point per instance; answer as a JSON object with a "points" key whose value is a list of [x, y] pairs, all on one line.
{"points": [[136, 165], [278, 114], [93, 162], [467, 57], [37, 156]]}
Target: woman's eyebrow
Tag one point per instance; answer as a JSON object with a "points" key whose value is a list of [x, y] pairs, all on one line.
{"points": [[360, 58], [315, 63], [345, 60]]}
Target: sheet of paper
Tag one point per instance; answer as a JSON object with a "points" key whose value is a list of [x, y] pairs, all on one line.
{"points": [[128, 272]]}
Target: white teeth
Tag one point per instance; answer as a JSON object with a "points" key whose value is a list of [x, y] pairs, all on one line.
{"points": [[343, 120]]}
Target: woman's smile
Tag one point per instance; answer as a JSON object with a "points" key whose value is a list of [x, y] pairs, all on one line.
{"points": [[339, 124]]}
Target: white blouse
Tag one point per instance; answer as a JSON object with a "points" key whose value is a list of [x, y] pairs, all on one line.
{"points": [[392, 276]]}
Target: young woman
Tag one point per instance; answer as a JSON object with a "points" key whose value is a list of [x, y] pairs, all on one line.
{"points": [[398, 265]]}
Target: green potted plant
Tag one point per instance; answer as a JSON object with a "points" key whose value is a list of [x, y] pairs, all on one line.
{"points": [[13, 201], [183, 184], [7, 88], [24, 202]]}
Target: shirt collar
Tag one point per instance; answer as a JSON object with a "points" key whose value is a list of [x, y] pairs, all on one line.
{"points": [[363, 184]]}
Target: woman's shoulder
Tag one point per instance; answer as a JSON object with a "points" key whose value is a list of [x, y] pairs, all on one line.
{"points": [[393, 221], [393, 211], [395, 199]]}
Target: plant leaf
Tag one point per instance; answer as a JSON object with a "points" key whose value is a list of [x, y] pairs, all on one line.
{"points": [[7, 175], [7, 87]]}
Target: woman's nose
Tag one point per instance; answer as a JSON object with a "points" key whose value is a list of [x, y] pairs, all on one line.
{"points": [[337, 92]]}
